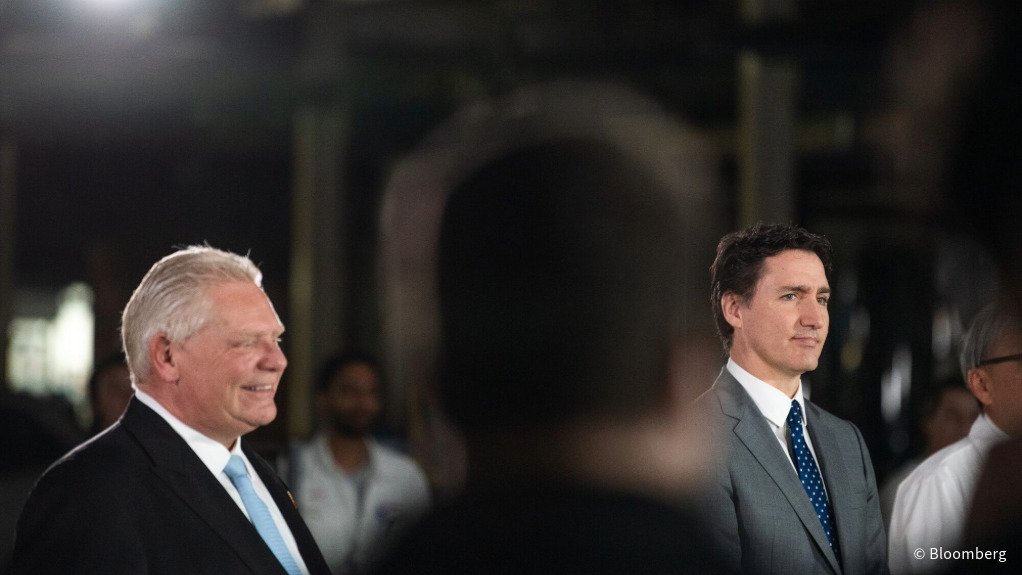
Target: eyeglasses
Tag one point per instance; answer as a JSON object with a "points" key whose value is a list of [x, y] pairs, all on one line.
{"points": [[1002, 359]]}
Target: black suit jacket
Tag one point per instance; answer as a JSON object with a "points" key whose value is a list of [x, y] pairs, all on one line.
{"points": [[136, 499]]}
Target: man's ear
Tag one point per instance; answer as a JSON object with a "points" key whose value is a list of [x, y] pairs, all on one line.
{"points": [[978, 381], [731, 305], [162, 357]]}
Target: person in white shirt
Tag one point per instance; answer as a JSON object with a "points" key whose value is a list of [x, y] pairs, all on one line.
{"points": [[946, 416], [170, 489], [932, 503], [355, 494]]}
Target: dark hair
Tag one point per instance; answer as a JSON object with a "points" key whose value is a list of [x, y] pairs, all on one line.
{"points": [[740, 256], [561, 266], [112, 360], [335, 363]]}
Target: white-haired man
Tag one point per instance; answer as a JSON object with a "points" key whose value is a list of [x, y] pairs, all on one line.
{"points": [[933, 502], [170, 488]]}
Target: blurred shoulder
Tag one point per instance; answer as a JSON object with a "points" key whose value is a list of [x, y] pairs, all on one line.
{"points": [[392, 458]]}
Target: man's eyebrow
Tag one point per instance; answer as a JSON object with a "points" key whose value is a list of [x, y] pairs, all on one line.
{"points": [[803, 289], [258, 332]]}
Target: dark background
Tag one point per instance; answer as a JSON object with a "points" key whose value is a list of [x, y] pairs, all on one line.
{"points": [[160, 123]]}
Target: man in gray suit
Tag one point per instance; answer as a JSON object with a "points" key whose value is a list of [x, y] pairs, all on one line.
{"points": [[794, 489]]}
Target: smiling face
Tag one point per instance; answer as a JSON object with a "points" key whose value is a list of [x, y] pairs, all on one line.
{"points": [[780, 330], [229, 370]]}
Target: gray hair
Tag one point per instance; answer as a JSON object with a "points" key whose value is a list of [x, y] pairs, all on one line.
{"points": [[984, 331], [172, 299]]}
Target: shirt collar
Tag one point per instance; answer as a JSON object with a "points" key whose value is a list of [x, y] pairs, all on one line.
{"points": [[321, 449], [772, 402], [986, 432], [212, 453]]}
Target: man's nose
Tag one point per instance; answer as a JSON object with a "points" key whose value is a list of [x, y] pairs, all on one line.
{"points": [[274, 359], [813, 314]]}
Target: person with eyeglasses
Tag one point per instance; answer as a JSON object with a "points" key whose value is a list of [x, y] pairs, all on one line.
{"points": [[933, 502]]}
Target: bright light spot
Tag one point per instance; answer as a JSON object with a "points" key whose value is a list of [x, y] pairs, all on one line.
{"points": [[71, 338], [896, 383], [26, 354], [943, 335], [110, 4], [54, 355]]}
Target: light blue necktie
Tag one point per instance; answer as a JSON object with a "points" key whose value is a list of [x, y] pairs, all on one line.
{"points": [[260, 514], [809, 474]]}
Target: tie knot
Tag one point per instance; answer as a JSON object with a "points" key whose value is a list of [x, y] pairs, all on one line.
{"points": [[795, 413], [235, 468]]}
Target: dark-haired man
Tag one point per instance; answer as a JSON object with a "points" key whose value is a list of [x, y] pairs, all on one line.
{"points": [[795, 490], [354, 493]]}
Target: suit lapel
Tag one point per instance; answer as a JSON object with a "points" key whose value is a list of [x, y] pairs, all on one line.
{"points": [[835, 474], [755, 433], [185, 475], [285, 501]]}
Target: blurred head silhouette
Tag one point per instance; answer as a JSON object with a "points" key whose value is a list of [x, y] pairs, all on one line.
{"points": [[563, 294], [550, 248], [560, 285]]}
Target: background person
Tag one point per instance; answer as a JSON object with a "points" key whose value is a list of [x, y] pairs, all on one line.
{"points": [[109, 390], [354, 493], [933, 501], [983, 187], [945, 417], [570, 360]]}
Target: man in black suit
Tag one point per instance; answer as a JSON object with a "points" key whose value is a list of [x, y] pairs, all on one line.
{"points": [[151, 494]]}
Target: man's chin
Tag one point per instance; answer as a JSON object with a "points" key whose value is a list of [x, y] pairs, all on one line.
{"points": [[809, 364], [265, 417]]}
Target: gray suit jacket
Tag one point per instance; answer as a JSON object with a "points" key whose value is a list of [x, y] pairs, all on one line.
{"points": [[761, 515]]}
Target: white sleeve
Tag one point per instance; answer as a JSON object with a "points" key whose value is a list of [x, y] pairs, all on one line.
{"points": [[929, 512]]}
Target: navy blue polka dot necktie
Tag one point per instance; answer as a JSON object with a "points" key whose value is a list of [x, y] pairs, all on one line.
{"points": [[809, 474]]}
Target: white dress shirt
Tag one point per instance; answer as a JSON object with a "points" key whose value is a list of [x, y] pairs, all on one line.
{"points": [[774, 405], [932, 502], [351, 525], [215, 456]]}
